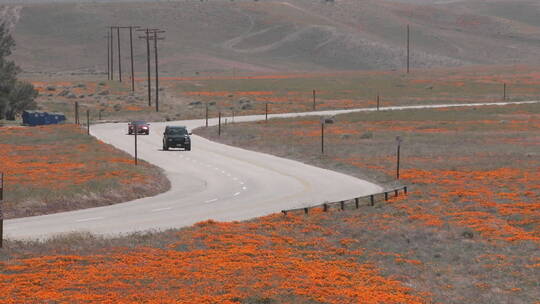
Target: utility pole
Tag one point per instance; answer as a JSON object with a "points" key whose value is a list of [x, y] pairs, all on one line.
{"points": [[266, 112], [147, 37], [108, 58], [378, 102], [131, 57], [504, 91], [88, 122], [111, 50], [408, 46], [156, 38], [119, 54], [131, 27]]}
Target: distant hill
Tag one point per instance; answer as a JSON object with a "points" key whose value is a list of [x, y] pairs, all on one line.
{"points": [[274, 36]]}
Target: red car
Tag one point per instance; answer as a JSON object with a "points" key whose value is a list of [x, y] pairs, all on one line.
{"points": [[142, 127]]}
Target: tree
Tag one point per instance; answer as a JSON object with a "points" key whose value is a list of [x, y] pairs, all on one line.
{"points": [[15, 96]]}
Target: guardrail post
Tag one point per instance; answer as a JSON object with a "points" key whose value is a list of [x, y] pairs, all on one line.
{"points": [[306, 210], [342, 205], [372, 200], [405, 189], [325, 207], [396, 193], [386, 196], [356, 202], [284, 212]]}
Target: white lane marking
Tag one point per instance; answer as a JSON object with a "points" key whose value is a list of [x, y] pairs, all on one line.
{"points": [[161, 209], [241, 183], [212, 200], [89, 219], [244, 188], [237, 193], [223, 172]]}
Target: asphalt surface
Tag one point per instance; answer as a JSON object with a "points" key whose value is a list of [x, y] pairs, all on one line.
{"points": [[212, 181]]}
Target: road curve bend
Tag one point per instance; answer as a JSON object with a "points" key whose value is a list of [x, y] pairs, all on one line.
{"points": [[212, 181]]}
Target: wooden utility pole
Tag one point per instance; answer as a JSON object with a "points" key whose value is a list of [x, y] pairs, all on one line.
{"points": [[112, 51], [147, 38], [408, 47], [131, 57], [504, 91], [156, 38], [378, 102], [108, 58], [119, 54]]}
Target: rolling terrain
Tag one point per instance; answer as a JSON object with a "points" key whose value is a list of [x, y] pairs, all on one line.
{"points": [[275, 36]]}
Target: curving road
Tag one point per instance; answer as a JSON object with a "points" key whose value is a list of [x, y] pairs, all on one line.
{"points": [[213, 181]]}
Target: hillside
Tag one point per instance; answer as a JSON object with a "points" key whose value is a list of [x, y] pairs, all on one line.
{"points": [[271, 36]]}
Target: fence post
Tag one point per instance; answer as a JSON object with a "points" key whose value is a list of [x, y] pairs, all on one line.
{"points": [[325, 207], [207, 114], [378, 102], [219, 124], [386, 196], [1, 211], [356, 202], [405, 189], [306, 210], [284, 212], [88, 122], [342, 205], [266, 112], [372, 200], [396, 192], [314, 98]]}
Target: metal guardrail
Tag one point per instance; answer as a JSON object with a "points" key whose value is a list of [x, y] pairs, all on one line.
{"points": [[371, 200]]}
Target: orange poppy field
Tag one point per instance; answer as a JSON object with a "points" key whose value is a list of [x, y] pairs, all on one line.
{"points": [[468, 231], [59, 167]]}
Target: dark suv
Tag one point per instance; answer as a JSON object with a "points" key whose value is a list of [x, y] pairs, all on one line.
{"points": [[176, 137]]}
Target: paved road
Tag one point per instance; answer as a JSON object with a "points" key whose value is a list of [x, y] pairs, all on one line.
{"points": [[213, 181]]}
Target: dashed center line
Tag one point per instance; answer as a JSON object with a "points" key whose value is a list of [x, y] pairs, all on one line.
{"points": [[161, 209], [244, 188], [212, 200], [237, 193], [89, 219]]}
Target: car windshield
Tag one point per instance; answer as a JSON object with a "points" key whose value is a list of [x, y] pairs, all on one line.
{"points": [[139, 122], [176, 131]]}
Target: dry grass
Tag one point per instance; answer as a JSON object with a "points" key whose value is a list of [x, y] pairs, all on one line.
{"points": [[59, 168]]}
